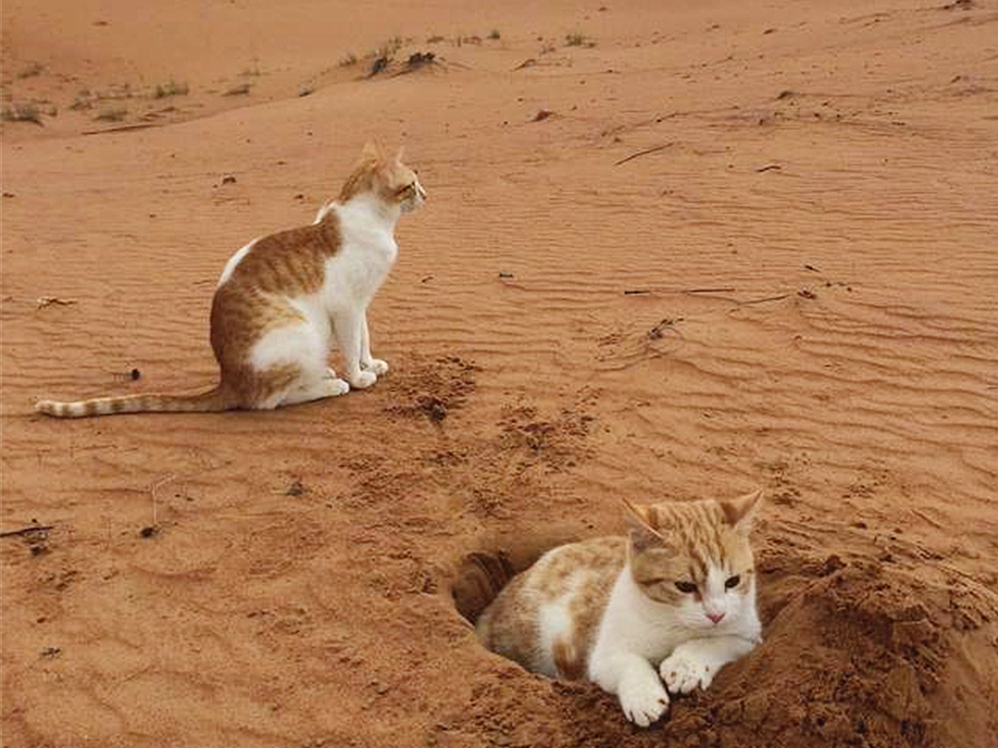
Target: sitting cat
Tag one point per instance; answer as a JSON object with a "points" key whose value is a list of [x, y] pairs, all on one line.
{"points": [[675, 599], [283, 299]]}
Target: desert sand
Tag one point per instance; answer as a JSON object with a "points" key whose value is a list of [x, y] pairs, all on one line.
{"points": [[670, 251]]}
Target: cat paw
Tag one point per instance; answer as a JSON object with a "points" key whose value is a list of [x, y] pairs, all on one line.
{"points": [[333, 387], [683, 673], [376, 365], [643, 702], [363, 379]]}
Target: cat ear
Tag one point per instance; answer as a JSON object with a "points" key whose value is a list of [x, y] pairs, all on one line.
{"points": [[643, 535], [371, 153], [740, 512]]}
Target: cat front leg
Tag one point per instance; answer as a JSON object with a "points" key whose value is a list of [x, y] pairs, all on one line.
{"points": [[376, 365], [349, 327], [693, 664], [636, 684]]}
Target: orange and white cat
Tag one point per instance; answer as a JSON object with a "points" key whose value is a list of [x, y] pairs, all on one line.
{"points": [[665, 608], [284, 299]]}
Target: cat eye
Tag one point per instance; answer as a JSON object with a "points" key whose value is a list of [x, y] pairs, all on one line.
{"points": [[687, 587], [731, 582], [408, 188]]}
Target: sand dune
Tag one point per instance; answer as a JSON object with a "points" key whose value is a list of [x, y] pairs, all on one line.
{"points": [[745, 247]]}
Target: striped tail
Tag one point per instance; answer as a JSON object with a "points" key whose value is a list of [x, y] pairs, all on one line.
{"points": [[203, 402]]}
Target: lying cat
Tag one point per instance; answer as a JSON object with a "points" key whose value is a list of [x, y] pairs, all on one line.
{"points": [[283, 299], [675, 599]]}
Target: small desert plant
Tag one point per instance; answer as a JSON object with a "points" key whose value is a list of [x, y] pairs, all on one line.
{"points": [[121, 91], [84, 100], [112, 114], [26, 111], [172, 88], [349, 60], [253, 72], [419, 59], [494, 34], [387, 50], [240, 89], [577, 39], [35, 68], [435, 39], [383, 55], [306, 89]]}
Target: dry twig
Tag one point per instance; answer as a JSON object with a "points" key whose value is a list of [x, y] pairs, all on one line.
{"points": [[26, 531], [644, 153], [45, 301]]}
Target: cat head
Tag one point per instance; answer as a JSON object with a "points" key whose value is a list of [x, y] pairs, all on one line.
{"points": [[386, 178], [695, 557]]}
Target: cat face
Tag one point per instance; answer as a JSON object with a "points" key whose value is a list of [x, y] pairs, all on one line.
{"points": [[695, 557], [404, 188], [394, 183]]}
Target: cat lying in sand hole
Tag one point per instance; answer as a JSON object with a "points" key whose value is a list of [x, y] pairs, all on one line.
{"points": [[657, 612], [283, 300]]}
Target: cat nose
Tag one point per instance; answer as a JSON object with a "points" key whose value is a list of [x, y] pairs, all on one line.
{"points": [[715, 617]]}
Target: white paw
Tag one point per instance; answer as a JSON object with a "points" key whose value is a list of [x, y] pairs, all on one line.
{"points": [[643, 701], [333, 387], [330, 374], [378, 366], [683, 673], [363, 379]]}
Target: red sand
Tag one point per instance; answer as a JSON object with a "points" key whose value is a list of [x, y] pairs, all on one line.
{"points": [[792, 286]]}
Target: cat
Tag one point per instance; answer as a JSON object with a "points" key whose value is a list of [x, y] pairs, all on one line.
{"points": [[674, 602], [283, 299]]}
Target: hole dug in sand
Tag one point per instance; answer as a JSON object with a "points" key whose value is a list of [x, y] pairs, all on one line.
{"points": [[859, 654]]}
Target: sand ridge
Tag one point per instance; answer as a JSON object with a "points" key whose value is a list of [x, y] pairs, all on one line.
{"points": [[746, 247]]}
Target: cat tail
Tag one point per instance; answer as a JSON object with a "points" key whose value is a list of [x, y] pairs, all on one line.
{"points": [[210, 401]]}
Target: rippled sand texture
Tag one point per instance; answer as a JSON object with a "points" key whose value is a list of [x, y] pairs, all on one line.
{"points": [[745, 247]]}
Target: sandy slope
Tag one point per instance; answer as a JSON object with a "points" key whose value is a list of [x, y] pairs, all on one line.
{"points": [[795, 290]]}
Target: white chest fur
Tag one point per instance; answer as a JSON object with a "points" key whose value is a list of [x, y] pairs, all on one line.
{"points": [[634, 623], [368, 251]]}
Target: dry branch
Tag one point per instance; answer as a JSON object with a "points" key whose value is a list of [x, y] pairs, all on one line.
{"points": [[25, 531], [644, 153]]}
